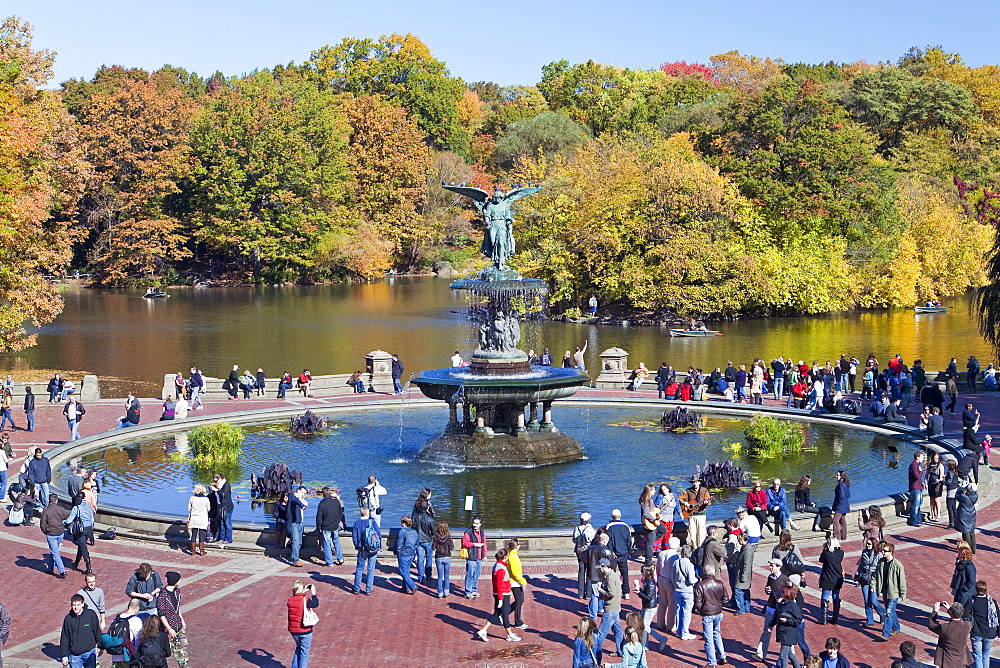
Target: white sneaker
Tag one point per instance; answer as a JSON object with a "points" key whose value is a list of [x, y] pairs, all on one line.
{"points": [[482, 635], [523, 626], [795, 527], [689, 637], [625, 597], [513, 638]]}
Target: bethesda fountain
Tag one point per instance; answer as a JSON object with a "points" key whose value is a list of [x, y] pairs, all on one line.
{"points": [[494, 403]]}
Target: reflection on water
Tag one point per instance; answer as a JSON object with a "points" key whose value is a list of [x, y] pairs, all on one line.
{"points": [[330, 328], [620, 460]]}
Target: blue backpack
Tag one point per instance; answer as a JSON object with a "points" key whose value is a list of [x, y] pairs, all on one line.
{"points": [[371, 539]]}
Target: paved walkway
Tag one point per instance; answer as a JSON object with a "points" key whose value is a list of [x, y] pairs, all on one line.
{"points": [[234, 604]]}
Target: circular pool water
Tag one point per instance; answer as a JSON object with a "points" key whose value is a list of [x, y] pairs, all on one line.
{"points": [[624, 450]]}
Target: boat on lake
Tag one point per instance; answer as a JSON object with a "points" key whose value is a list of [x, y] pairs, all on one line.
{"points": [[155, 293], [930, 309], [694, 332]]}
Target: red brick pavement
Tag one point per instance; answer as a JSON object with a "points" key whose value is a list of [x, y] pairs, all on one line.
{"points": [[235, 603]]}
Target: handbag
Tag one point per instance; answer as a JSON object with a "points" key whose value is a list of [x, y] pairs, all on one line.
{"points": [[16, 517], [76, 528], [309, 617]]}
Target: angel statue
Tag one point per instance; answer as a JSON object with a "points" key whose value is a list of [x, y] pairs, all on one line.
{"points": [[498, 237]]}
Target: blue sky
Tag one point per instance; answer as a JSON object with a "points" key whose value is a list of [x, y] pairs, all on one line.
{"points": [[506, 42]]}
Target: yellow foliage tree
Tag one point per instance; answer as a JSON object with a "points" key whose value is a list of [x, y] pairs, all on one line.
{"points": [[746, 74]]}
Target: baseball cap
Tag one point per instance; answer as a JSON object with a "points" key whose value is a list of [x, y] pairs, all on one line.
{"points": [[604, 562], [776, 562]]}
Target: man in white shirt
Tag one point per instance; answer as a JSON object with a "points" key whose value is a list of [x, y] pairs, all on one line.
{"points": [[371, 499], [748, 525], [456, 359]]}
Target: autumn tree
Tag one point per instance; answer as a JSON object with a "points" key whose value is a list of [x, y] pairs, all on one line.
{"points": [[401, 69], [746, 74], [549, 132], [681, 69], [136, 137], [270, 173], [40, 180]]}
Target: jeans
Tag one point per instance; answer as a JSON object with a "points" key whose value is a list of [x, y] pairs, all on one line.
{"points": [[195, 398], [981, 651], [331, 544], [711, 626], [3, 482], [916, 501], [742, 600], [366, 560], [303, 641], [52, 394], [787, 654], [295, 530], [85, 660], [66, 393], [890, 622], [684, 600], [765, 635], [397, 388], [74, 430], [472, 570], [226, 527], [444, 575], [54, 543], [6, 416], [800, 637], [868, 595], [779, 382], [611, 621], [43, 496], [30, 416], [405, 563], [595, 605], [780, 518], [425, 557]]}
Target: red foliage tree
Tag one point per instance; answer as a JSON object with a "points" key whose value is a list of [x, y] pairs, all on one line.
{"points": [[681, 69]]}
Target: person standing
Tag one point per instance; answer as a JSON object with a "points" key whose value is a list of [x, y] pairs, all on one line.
{"points": [[6, 409], [646, 590], [841, 505], [224, 494], [684, 581], [168, 607], [370, 497], [93, 597], [583, 536], [592, 303], [916, 484], [776, 581], [970, 425], [197, 384], [744, 573], [713, 551], [73, 412], [29, 408], [518, 583], [83, 532], [80, 636], [474, 543], [144, 585], [620, 540], [965, 513], [397, 375], [423, 524], [694, 503], [4, 629], [831, 580], [232, 384], [666, 614], [578, 359], [868, 563], [367, 539], [405, 548], [972, 373], [597, 551], [197, 522], [889, 582], [297, 505], [953, 649], [52, 525], [662, 379], [329, 521], [778, 376], [610, 591], [40, 475], [443, 546], [985, 614], [303, 599], [709, 596], [963, 580]]}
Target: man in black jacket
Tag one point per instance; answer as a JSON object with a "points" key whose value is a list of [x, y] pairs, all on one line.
{"points": [[81, 633], [620, 535], [709, 596], [661, 379], [892, 413], [329, 521], [397, 374], [29, 408], [970, 420], [595, 553]]}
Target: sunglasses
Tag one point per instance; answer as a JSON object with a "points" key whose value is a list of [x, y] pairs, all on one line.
{"points": [[886, 551]]}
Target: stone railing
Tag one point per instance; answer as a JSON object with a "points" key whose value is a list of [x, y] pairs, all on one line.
{"points": [[88, 388]]}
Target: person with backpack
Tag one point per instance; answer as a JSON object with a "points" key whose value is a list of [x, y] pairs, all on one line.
{"points": [[154, 645], [583, 535], [144, 585], [168, 607], [985, 620], [474, 549], [81, 527], [122, 639], [367, 541]]}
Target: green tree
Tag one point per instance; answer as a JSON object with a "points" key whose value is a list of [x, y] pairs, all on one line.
{"points": [[549, 132], [402, 69], [269, 173]]}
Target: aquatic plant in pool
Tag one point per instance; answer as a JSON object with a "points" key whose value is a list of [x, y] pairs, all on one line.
{"points": [[218, 443], [768, 437]]}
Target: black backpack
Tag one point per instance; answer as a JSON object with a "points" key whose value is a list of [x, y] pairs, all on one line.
{"points": [[151, 654]]}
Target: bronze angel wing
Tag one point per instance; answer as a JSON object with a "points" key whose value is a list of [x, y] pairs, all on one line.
{"points": [[472, 193], [518, 193]]}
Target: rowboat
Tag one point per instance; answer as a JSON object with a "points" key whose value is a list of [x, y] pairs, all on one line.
{"points": [[694, 332], [155, 293], [930, 309]]}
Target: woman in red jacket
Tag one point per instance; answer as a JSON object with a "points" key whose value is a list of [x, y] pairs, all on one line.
{"points": [[303, 598], [757, 505], [502, 598]]}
